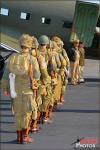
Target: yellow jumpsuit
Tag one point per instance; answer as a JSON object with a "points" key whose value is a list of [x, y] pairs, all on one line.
{"points": [[45, 79], [81, 63]]}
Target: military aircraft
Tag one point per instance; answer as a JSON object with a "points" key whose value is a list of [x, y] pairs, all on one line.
{"points": [[79, 117], [62, 18]]}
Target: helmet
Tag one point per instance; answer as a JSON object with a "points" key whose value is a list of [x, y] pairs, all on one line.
{"points": [[56, 39], [43, 39], [62, 43], [26, 40], [76, 41], [54, 44], [35, 43], [51, 44]]}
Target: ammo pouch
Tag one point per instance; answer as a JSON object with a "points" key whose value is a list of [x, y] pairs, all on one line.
{"points": [[54, 81], [34, 84]]}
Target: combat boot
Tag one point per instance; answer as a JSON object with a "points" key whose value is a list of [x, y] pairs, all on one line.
{"points": [[26, 138], [50, 115], [39, 115], [19, 137], [34, 126], [46, 116], [74, 83], [61, 101], [54, 107], [43, 117], [50, 111]]}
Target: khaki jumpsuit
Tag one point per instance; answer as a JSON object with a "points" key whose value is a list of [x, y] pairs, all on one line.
{"points": [[24, 104], [81, 63]]}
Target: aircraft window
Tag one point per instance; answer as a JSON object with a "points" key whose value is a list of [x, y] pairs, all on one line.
{"points": [[67, 24], [4, 11], [25, 16], [45, 20]]}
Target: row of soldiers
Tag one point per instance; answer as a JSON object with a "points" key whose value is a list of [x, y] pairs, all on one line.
{"points": [[41, 77], [40, 72]]}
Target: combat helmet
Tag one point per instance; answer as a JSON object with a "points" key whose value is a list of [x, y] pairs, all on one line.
{"points": [[62, 43], [35, 43], [56, 39], [43, 39], [26, 40], [54, 44], [51, 44]]}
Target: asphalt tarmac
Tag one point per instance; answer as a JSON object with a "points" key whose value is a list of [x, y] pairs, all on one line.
{"points": [[77, 118]]}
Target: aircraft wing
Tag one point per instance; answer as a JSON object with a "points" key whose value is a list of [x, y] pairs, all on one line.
{"points": [[4, 47], [9, 43]]}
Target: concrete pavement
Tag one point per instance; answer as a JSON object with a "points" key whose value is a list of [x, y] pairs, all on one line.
{"points": [[79, 117]]}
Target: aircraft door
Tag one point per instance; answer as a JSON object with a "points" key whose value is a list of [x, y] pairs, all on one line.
{"points": [[2, 65]]}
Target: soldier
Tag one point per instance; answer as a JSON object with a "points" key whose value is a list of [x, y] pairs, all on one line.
{"points": [[24, 102], [34, 123], [52, 70], [64, 66], [45, 78], [35, 45], [81, 62], [74, 62]]}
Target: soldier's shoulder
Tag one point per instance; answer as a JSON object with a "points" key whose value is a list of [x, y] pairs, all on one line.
{"points": [[14, 55], [34, 59], [63, 49], [34, 53]]}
